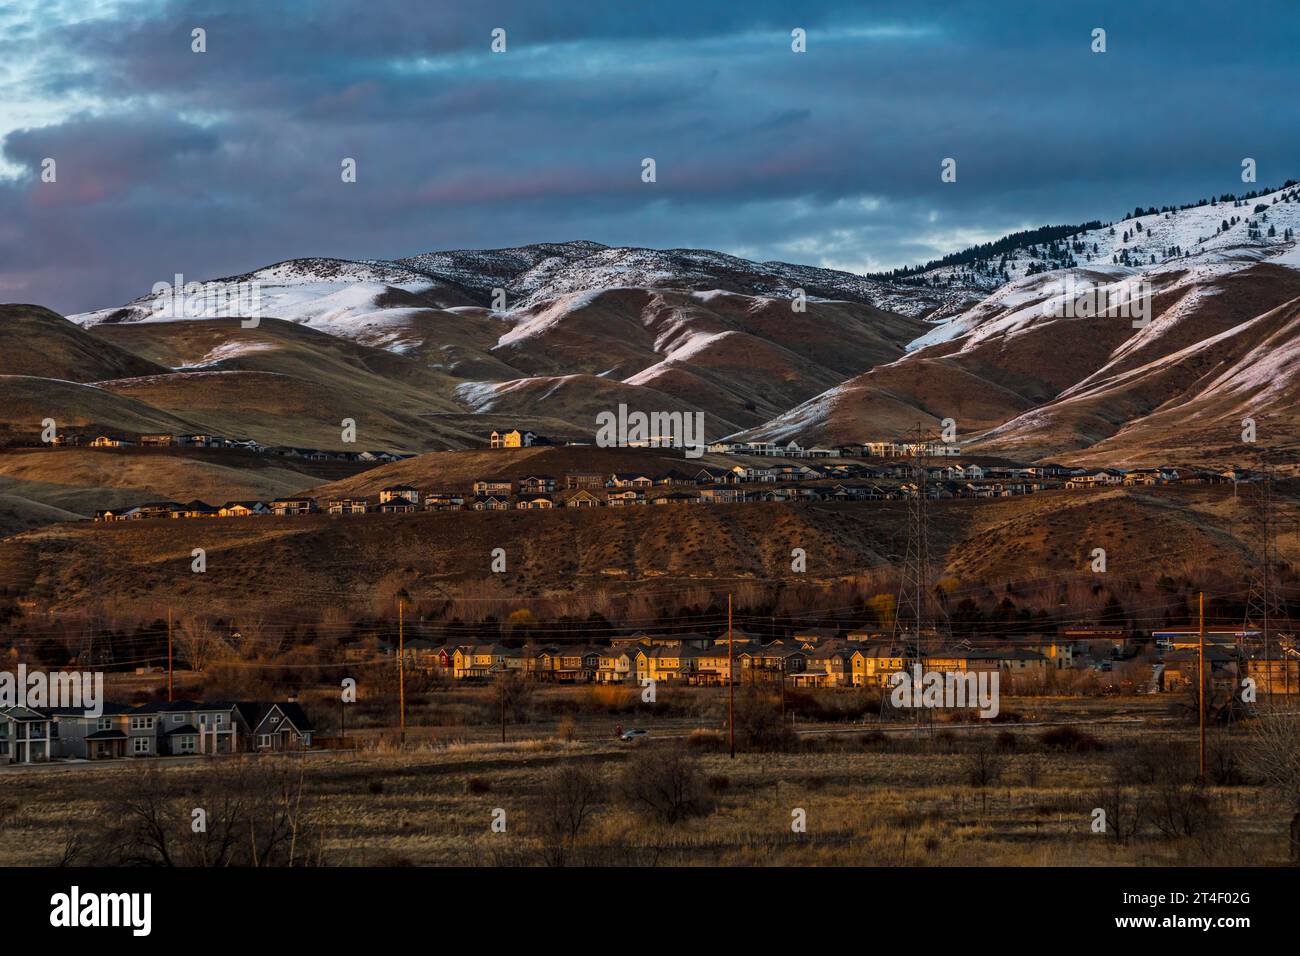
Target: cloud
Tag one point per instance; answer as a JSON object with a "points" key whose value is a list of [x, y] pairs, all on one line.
{"points": [[219, 162]]}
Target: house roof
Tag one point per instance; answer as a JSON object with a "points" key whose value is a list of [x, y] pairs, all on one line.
{"points": [[297, 716], [106, 735], [22, 713]]}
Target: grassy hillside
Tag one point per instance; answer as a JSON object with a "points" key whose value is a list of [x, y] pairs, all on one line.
{"points": [[83, 480], [278, 565], [35, 341]]}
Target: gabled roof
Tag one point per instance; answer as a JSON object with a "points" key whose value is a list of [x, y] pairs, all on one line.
{"points": [[291, 710]]}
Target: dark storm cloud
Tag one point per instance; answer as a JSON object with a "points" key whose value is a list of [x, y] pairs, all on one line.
{"points": [[217, 163]]}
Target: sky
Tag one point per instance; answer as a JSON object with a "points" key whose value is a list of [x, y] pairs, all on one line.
{"points": [[215, 163]]}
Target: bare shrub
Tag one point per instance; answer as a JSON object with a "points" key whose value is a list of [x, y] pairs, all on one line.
{"points": [[569, 797], [983, 767], [1124, 809], [1069, 738], [1273, 754], [567, 730], [255, 813], [665, 783], [758, 721]]}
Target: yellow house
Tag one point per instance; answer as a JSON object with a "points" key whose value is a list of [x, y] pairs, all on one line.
{"points": [[665, 663], [713, 666], [872, 666], [479, 660], [511, 439], [614, 666]]}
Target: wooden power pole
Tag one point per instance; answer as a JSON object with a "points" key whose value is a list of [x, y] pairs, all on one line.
{"points": [[1201, 678], [731, 683], [169, 655]]}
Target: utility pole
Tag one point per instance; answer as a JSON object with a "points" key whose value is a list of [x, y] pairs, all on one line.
{"points": [[401, 670], [502, 681], [731, 683], [1201, 681], [169, 655]]}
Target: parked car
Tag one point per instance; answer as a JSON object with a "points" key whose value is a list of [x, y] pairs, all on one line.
{"points": [[634, 734]]}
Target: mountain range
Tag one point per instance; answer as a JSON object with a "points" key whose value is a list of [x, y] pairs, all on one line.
{"points": [[432, 351]]}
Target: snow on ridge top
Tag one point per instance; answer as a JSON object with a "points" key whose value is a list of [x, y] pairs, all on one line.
{"points": [[296, 271]]}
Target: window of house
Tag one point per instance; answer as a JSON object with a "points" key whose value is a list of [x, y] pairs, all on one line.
{"points": [[177, 718], [105, 723], [140, 745], [264, 740]]}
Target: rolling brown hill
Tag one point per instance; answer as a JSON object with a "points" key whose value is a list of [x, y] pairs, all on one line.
{"points": [[275, 566], [38, 343], [1029, 385], [457, 470], [76, 482]]}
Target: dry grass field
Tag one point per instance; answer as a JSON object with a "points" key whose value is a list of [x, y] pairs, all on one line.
{"points": [[868, 799]]}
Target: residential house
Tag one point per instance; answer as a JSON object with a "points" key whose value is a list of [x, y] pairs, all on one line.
{"points": [[665, 664], [511, 439], [281, 726], [243, 509], [713, 665], [444, 501], [614, 665], [537, 485], [634, 479], [721, 496], [632, 496], [25, 735], [495, 487], [490, 503], [581, 499], [873, 666], [190, 727], [479, 661], [81, 736], [534, 502], [293, 506], [676, 498], [777, 658], [399, 494], [588, 481], [348, 506]]}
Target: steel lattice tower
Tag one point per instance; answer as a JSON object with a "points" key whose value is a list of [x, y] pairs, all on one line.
{"points": [[1263, 609]]}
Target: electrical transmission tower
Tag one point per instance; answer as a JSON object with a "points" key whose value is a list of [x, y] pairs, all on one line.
{"points": [[915, 621], [1263, 606]]}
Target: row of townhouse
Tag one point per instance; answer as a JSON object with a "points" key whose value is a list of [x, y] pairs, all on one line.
{"points": [[177, 728], [809, 659], [1114, 477], [207, 440], [489, 496], [771, 449]]}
